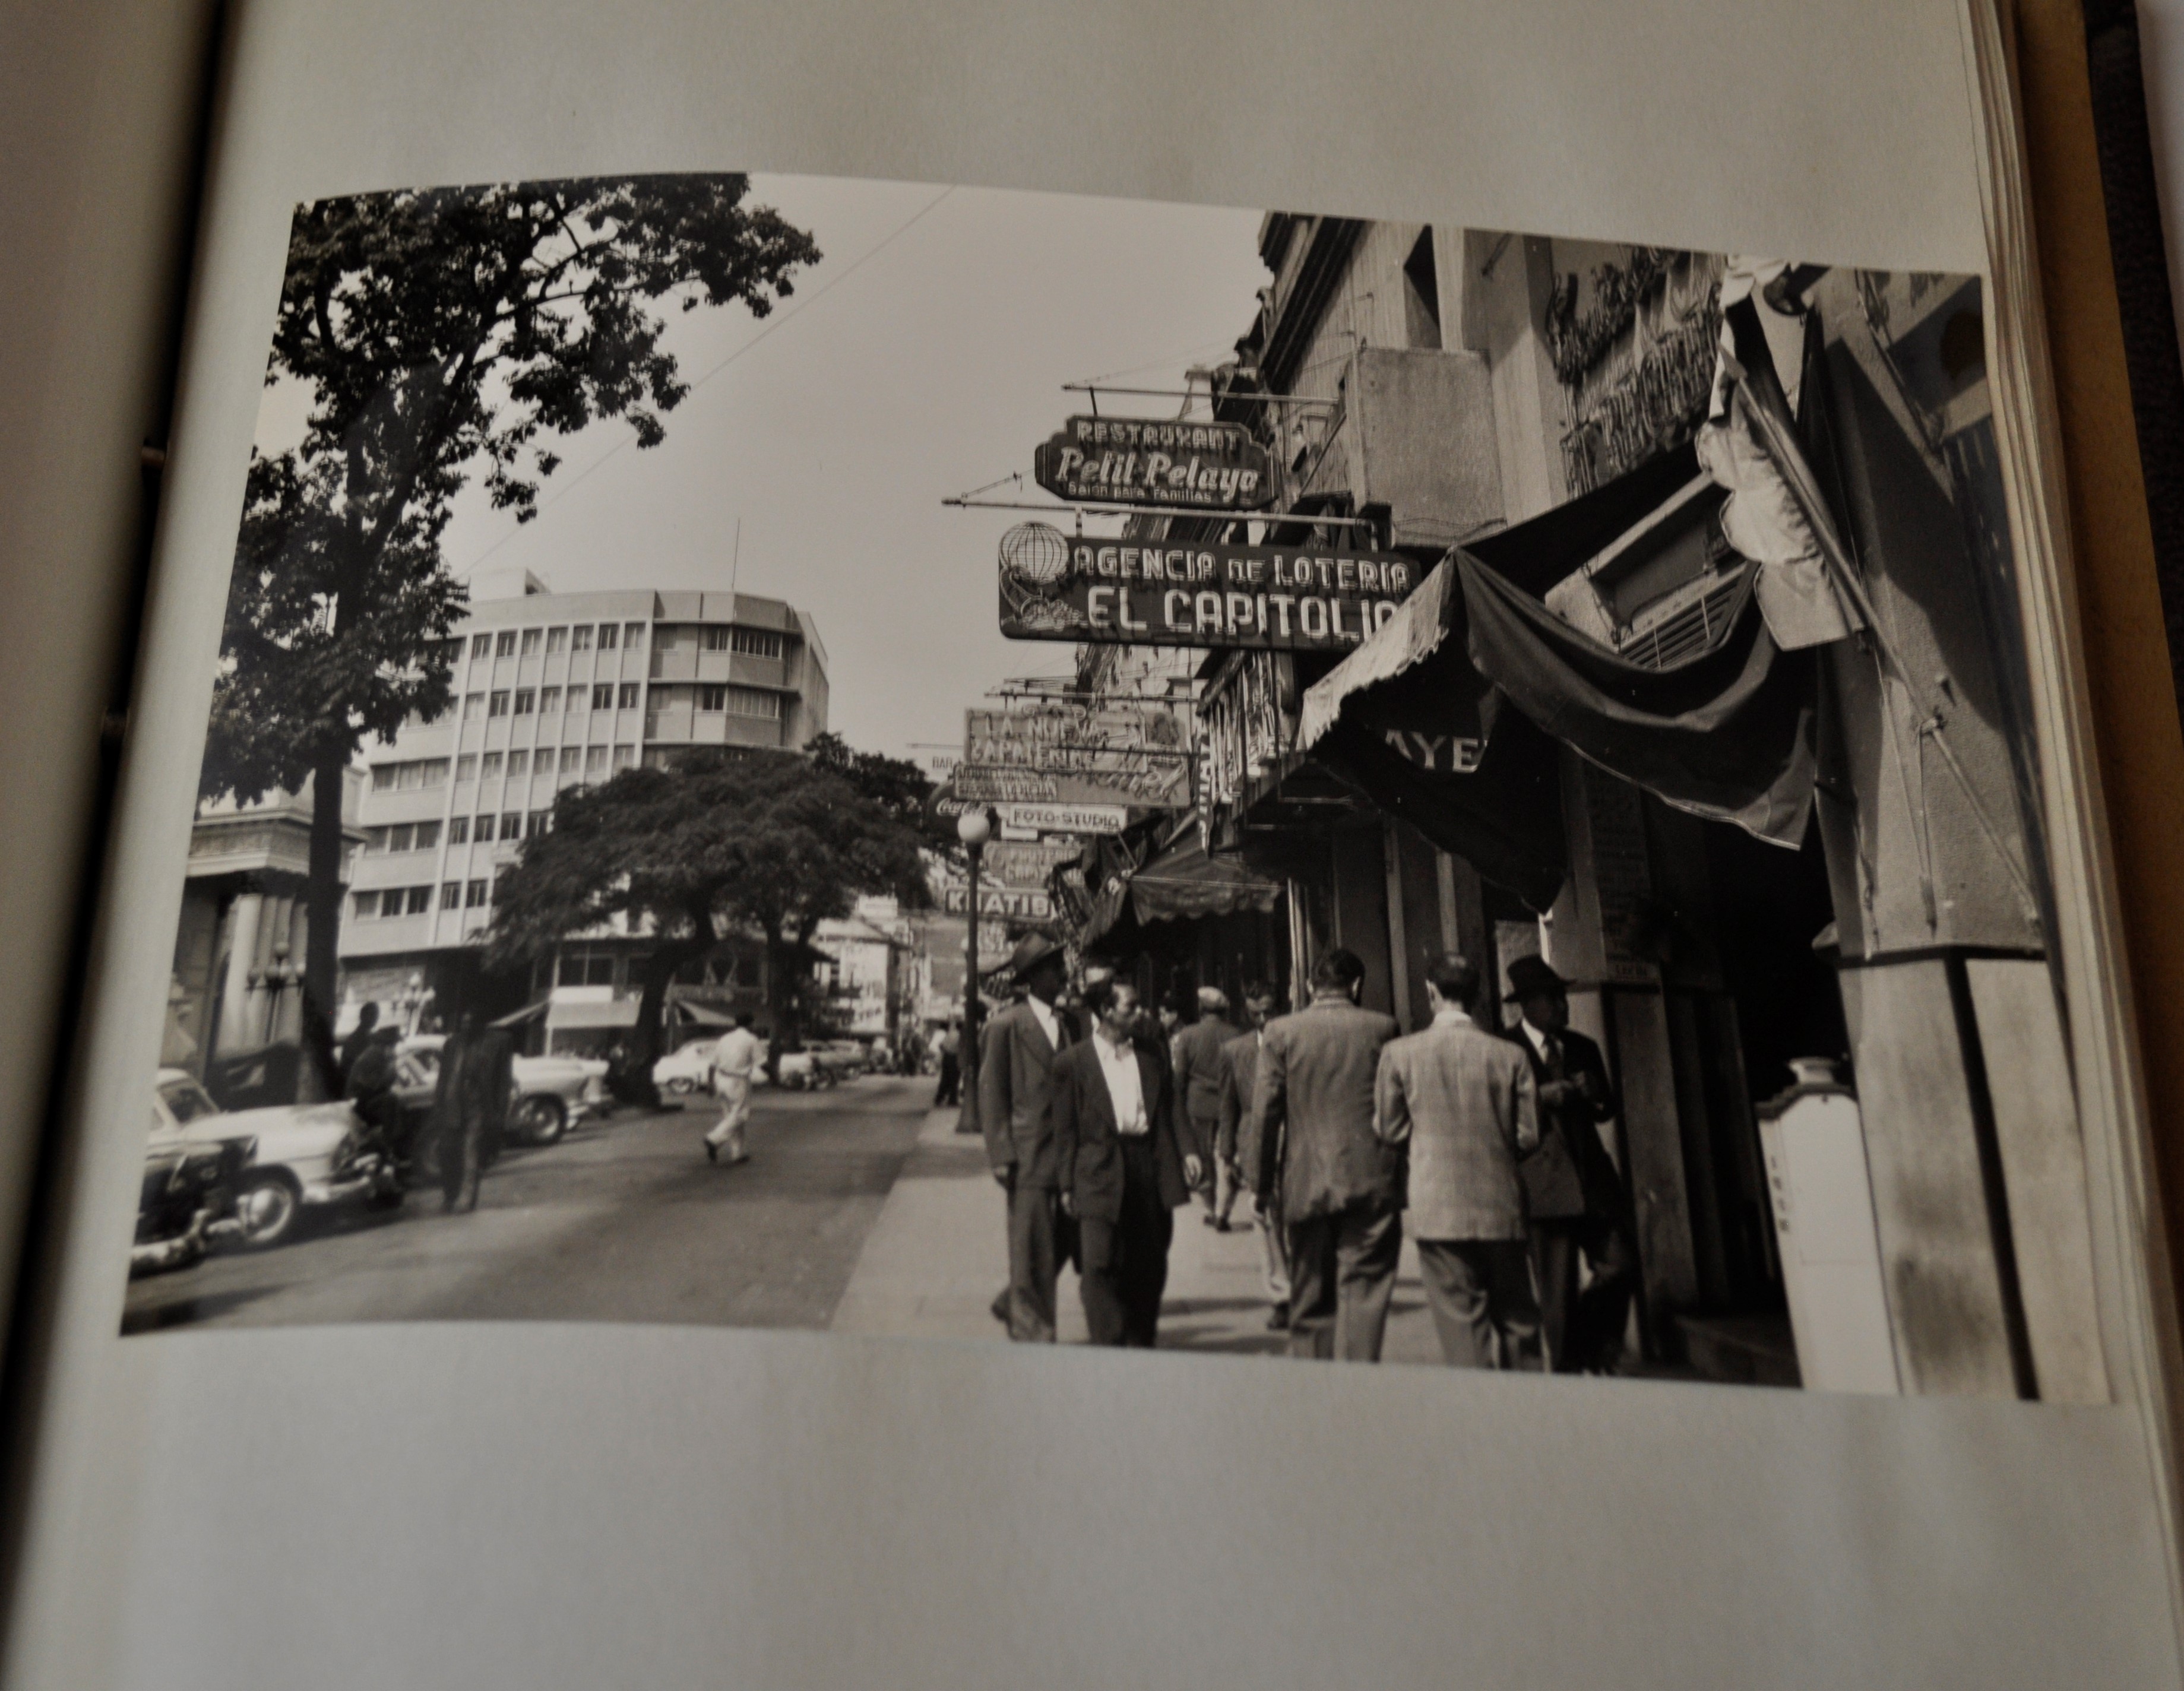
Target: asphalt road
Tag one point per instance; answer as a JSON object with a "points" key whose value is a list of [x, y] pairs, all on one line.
{"points": [[624, 1220]]}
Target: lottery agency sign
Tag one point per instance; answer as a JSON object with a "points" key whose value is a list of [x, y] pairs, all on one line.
{"points": [[1152, 593]]}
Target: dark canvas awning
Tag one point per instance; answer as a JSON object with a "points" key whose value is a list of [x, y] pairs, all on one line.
{"points": [[1184, 881], [705, 1015]]}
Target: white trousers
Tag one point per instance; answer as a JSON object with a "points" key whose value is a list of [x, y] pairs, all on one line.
{"points": [[734, 1091]]}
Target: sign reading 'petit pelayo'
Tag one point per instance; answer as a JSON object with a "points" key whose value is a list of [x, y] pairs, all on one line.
{"points": [[1144, 461]]}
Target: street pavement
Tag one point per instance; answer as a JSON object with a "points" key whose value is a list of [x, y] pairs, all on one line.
{"points": [[862, 1210]]}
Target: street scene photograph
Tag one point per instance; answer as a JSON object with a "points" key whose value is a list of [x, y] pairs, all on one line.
{"points": [[925, 762]]}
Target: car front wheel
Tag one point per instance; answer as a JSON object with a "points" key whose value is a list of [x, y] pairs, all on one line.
{"points": [[268, 1206], [541, 1120]]}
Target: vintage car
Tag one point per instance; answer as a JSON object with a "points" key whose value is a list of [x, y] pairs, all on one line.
{"points": [[685, 1071], [305, 1157], [189, 1188], [552, 1093]]}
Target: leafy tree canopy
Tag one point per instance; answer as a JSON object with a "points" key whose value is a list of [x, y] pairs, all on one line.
{"points": [[766, 841]]}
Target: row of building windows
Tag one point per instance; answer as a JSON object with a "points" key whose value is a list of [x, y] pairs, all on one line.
{"points": [[509, 642], [587, 761], [390, 777], [523, 701], [740, 701], [417, 901], [750, 642], [403, 836]]}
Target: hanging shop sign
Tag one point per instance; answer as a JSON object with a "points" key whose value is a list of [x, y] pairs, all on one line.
{"points": [[1247, 723], [1088, 755], [1146, 592], [1147, 461], [1026, 863], [1010, 903], [1066, 819]]}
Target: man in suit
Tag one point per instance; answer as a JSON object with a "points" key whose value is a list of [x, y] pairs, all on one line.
{"points": [[1125, 1162], [1574, 1194], [1016, 1061], [1237, 1139], [1340, 1186], [1465, 1104], [1198, 1093]]}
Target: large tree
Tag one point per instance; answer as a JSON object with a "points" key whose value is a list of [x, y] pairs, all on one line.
{"points": [[768, 843], [440, 338]]}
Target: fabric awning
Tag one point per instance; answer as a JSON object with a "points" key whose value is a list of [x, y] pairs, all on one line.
{"points": [[1184, 881], [1421, 624], [529, 1013], [704, 1014]]}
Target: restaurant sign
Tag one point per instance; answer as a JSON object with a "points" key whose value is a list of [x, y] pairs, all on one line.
{"points": [[1146, 592], [1147, 461]]}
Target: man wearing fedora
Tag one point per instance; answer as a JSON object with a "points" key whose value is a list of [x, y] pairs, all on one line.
{"points": [[1015, 1070], [1574, 1195]]}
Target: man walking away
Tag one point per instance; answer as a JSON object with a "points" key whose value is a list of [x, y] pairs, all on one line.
{"points": [[735, 1072], [1574, 1193], [1121, 1170], [1463, 1101], [1339, 1187], [470, 1107], [950, 1089], [1015, 1062], [1198, 1049], [1237, 1140]]}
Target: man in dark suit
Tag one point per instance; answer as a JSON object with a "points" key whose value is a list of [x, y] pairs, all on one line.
{"points": [[1125, 1162], [1016, 1061], [1574, 1194], [1237, 1139], [1339, 1187], [1198, 1094]]}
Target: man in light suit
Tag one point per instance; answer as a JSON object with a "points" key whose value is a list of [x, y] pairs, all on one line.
{"points": [[1197, 1060], [1237, 1139], [1125, 1162], [1016, 1061], [1463, 1101], [1574, 1194], [1338, 1185]]}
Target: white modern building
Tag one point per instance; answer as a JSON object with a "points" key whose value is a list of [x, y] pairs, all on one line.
{"points": [[552, 690]]}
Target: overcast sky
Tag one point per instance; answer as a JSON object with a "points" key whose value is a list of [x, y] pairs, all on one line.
{"points": [[932, 369]]}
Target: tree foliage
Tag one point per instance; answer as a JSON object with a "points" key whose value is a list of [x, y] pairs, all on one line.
{"points": [[440, 336], [897, 785], [769, 843]]}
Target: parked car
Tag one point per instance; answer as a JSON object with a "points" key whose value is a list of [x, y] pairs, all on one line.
{"points": [[686, 1070], [844, 1059], [802, 1071], [552, 1093], [189, 1188], [305, 1157]]}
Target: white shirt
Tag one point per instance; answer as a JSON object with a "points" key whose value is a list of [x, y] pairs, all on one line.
{"points": [[1540, 1041], [1125, 1089], [736, 1056], [1047, 1023]]}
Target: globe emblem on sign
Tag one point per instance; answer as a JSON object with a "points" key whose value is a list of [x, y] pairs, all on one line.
{"points": [[1034, 571]]}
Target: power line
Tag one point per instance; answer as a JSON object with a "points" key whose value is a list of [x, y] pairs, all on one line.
{"points": [[778, 321]]}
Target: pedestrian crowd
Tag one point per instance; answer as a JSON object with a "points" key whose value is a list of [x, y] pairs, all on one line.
{"points": [[1100, 1121]]}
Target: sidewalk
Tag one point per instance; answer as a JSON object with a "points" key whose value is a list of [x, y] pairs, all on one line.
{"points": [[936, 1255]]}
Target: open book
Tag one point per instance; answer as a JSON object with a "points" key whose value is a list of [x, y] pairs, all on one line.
{"points": [[837, 712]]}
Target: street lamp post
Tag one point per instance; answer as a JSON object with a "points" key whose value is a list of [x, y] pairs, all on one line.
{"points": [[974, 828]]}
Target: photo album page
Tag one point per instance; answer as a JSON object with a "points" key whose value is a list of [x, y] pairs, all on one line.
{"points": [[880, 760]]}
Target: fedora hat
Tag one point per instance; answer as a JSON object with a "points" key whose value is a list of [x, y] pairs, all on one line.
{"points": [[1032, 950], [1529, 975]]}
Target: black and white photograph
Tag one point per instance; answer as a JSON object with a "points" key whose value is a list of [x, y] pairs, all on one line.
{"points": [[950, 764]]}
